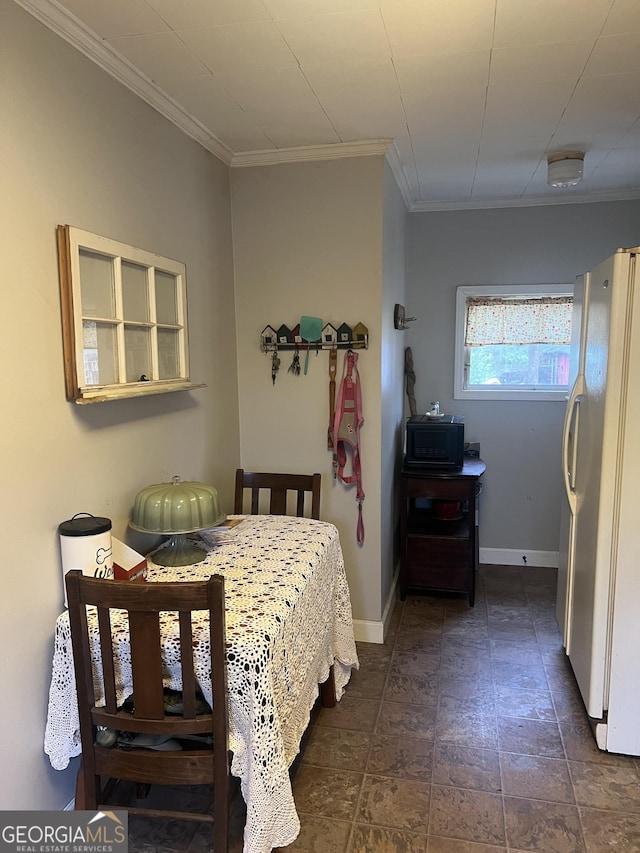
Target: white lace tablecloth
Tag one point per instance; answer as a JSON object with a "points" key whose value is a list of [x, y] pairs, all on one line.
{"points": [[288, 619]]}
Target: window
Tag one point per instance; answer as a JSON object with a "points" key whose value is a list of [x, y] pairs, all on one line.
{"points": [[124, 313], [513, 342]]}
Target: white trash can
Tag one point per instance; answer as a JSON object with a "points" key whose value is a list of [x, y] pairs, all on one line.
{"points": [[85, 544]]}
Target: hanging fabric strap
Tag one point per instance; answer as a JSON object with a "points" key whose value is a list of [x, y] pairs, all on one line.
{"points": [[333, 369], [347, 421]]}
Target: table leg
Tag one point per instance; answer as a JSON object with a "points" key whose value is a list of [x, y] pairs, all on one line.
{"points": [[328, 691]]}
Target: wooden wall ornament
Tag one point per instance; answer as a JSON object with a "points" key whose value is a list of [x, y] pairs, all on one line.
{"points": [[410, 378], [342, 336]]}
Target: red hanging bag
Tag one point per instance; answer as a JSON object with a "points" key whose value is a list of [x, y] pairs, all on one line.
{"points": [[345, 430]]}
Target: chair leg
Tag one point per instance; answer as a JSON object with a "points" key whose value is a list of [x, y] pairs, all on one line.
{"points": [[80, 804], [87, 792]]}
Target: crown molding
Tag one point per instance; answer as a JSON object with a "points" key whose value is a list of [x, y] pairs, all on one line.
{"points": [[311, 153], [394, 161], [534, 201], [308, 153], [67, 26]]}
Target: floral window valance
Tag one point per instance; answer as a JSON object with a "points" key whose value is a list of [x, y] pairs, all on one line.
{"points": [[492, 320]]}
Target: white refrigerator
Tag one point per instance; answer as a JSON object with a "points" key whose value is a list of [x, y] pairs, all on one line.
{"points": [[598, 605]]}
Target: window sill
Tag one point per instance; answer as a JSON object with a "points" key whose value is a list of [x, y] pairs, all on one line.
{"points": [[511, 394], [103, 393]]}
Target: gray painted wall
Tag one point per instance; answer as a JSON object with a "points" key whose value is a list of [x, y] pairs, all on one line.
{"points": [[391, 377], [307, 240], [77, 147], [520, 441]]}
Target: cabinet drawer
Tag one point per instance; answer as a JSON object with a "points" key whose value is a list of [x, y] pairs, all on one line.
{"points": [[435, 551], [449, 577], [439, 489]]}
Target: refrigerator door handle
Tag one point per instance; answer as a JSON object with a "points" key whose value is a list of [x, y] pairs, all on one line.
{"points": [[570, 442]]}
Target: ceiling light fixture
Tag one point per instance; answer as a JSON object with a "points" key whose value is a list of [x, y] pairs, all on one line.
{"points": [[565, 168]]}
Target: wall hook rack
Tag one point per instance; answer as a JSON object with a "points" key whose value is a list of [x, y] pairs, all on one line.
{"points": [[400, 319], [342, 336]]}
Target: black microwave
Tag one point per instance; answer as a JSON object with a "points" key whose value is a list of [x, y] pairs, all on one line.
{"points": [[435, 442]]}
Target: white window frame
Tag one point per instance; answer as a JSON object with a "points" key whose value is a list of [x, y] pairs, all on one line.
{"points": [[461, 360], [71, 243]]}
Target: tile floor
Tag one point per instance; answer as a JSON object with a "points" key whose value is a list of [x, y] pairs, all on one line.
{"points": [[463, 733]]}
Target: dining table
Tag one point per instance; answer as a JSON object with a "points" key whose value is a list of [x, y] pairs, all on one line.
{"points": [[289, 628]]}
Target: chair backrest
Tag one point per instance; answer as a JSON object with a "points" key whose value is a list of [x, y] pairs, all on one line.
{"points": [[278, 485], [140, 617]]}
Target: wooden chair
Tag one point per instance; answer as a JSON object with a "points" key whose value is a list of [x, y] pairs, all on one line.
{"points": [[279, 485], [202, 764]]}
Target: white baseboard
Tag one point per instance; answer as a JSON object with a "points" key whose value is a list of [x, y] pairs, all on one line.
{"points": [[366, 631], [70, 806], [513, 557]]}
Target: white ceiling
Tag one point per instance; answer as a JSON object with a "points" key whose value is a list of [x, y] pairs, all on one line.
{"points": [[472, 95]]}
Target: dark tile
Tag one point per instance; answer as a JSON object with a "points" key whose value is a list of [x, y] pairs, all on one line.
{"points": [[605, 786], [548, 634], [202, 840], [465, 660], [455, 845], [337, 748], [376, 839], [394, 622], [416, 689], [467, 815], [580, 744], [351, 712], [367, 682], [607, 831], [470, 639], [465, 767], [531, 737], [421, 638], [517, 614], [465, 626], [568, 707], [542, 827], [560, 677], [535, 777], [422, 610], [399, 718], [517, 702], [327, 792], [524, 651], [397, 803], [541, 577], [374, 656], [467, 728], [414, 663], [515, 674], [403, 757], [171, 834], [476, 691], [319, 835], [506, 597], [511, 631]]}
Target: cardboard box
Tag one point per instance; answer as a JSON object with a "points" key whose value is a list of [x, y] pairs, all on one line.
{"points": [[128, 565]]}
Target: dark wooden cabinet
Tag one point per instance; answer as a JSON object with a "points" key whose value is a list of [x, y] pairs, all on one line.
{"points": [[439, 529]]}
